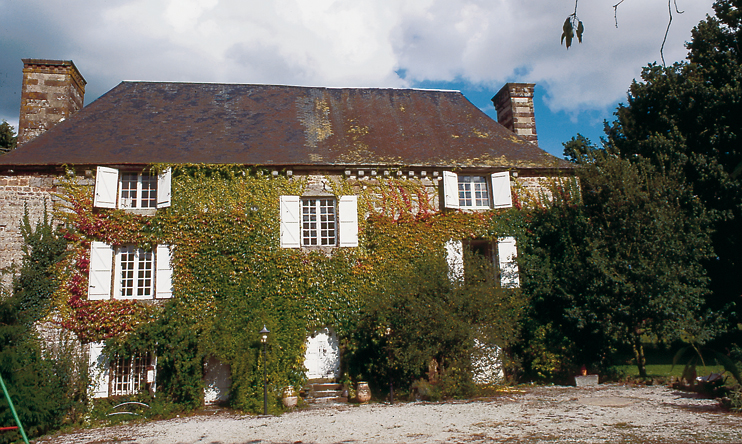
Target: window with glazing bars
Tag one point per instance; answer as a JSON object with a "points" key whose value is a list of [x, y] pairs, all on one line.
{"points": [[129, 375], [473, 192], [318, 222], [138, 190], [136, 267]]}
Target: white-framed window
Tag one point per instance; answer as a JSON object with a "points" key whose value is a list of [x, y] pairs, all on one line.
{"points": [[476, 191], [138, 190], [128, 376], [503, 254], [311, 221], [131, 189], [134, 272], [119, 376], [318, 223], [473, 192]]}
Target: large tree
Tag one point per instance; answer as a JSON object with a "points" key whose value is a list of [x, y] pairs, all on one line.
{"points": [[688, 118], [620, 266], [7, 137]]}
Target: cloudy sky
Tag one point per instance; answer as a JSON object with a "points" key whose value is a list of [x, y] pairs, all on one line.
{"points": [[470, 45]]}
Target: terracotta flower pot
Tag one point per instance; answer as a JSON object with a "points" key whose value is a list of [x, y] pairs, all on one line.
{"points": [[363, 393], [289, 398]]}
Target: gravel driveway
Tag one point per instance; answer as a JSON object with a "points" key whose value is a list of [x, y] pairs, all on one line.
{"points": [[608, 413]]}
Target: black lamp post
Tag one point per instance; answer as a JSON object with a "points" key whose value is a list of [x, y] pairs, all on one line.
{"points": [[264, 339]]}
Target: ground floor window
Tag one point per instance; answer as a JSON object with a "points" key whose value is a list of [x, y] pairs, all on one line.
{"points": [[129, 375]]}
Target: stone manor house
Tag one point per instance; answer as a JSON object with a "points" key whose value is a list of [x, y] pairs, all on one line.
{"points": [[469, 161]]}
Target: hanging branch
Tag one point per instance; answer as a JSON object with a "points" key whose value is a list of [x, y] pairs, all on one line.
{"points": [[669, 8], [615, 12], [572, 22], [572, 25]]}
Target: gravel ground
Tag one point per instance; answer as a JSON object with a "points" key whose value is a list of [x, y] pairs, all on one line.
{"points": [[607, 413]]}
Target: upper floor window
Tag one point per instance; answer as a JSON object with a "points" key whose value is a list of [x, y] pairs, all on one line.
{"points": [[473, 192], [134, 272], [318, 225], [131, 190], [319, 221], [501, 255], [138, 190], [477, 192]]}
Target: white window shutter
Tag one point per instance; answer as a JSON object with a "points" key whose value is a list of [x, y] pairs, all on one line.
{"points": [[164, 276], [106, 187], [164, 189], [455, 259], [450, 189], [348, 218], [290, 222], [99, 277], [98, 370], [501, 196], [507, 253]]}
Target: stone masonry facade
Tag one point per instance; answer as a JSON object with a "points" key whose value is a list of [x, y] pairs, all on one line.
{"points": [[514, 105], [16, 194], [52, 91]]}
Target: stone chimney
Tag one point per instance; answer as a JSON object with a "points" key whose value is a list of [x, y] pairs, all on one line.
{"points": [[514, 105], [52, 91]]}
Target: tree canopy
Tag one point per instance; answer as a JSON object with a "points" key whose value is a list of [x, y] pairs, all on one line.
{"points": [[687, 118], [653, 250], [7, 137], [623, 262]]}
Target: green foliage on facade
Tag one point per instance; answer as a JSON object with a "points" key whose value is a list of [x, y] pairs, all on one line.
{"points": [[46, 388], [231, 276], [43, 248]]}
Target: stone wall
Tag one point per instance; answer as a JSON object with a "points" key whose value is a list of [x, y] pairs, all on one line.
{"points": [[532, 191], [16, 194], [17, 191]]}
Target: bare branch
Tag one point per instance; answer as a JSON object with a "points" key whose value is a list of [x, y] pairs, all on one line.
{"points": [[615, 12], [667, 30]]}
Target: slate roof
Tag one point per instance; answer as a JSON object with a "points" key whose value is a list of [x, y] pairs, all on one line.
{"points": [[139, 123]]}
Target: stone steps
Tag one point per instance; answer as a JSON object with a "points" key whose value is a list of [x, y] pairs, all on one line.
{"points": [[323, 392]]}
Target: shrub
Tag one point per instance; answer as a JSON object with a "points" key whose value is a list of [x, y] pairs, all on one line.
{"points": [[418, 315]]}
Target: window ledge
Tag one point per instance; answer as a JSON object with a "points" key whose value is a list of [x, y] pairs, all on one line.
{"points": [[141, 211], [327, 250]]}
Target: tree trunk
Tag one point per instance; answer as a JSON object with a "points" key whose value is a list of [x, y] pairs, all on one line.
{"points": [[639, 355]]}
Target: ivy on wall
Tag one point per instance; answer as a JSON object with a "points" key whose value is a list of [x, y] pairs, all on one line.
{"points": [[231, 277]]}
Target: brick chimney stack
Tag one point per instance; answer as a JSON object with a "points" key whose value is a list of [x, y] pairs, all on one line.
{"points": [[514, 105], [52, 91]]}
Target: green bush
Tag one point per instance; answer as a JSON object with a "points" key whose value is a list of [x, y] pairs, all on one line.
{"points": [[418, 315], [36, 385], [43, 247], [47, 391]]}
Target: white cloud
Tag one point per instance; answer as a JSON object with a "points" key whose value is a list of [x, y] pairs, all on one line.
{"points": [[351, 42]]}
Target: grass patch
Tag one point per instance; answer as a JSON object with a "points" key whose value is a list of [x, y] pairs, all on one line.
{"points": [[665, 371]]}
